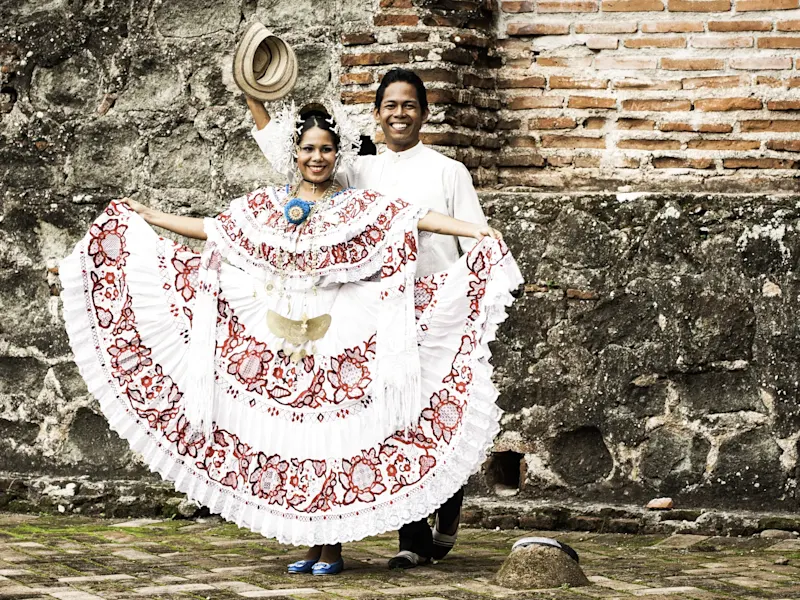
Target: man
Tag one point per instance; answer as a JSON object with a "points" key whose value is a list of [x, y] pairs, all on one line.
{"points": [[409, 169]]}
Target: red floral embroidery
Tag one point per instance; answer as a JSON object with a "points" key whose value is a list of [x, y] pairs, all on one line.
{"points": [[107, 246], [129, 358], [251, 366], [349, 375], [361, 478], [186, 276], [269, 478], [445, 415]]}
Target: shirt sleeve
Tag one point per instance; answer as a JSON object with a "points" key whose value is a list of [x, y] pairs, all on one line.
{"points": [[464, 203]]}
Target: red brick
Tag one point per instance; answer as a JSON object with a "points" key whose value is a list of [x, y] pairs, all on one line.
{"points": [[788, 25], [591, 102], [656, 105], [358, 97], [782, 125], [441, 75], [517, 7], [358, 39], [606, 27], [586, 162], [669, 162], [794, 82], [647, 84], [534, 81], [779, 42], [759, 163], [572, 62], [727, 104], [692, 64], [766, 63], [636, 124], [632, 5], [783, 104], [560, 82], [560, 28], [746, 5], [784, 145], [485, 83], [741, 41], [566, 6], [439, 96], [572, 141], [602, 42], [656, 42], [639, 144], [396, 4], [594, 123], [672, 26], [552, 123], [445, 138], [770, 81], [725, 144], [526, 102], [521, 142], [405, 37], [699, 5], [739, 26], [375, 58], [724, 81], [357, 78], [527, 159], [624, 63], [558, 161], [507, 124], [700, 128]]}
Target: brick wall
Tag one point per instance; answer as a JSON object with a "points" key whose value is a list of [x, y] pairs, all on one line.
{"points": [[452, 47], [646, 94]]}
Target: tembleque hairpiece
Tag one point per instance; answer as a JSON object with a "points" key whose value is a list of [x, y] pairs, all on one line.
{"points": [[286, 128]]}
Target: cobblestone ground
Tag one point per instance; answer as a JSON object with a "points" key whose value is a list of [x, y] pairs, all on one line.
{"points": [[75, 558]]}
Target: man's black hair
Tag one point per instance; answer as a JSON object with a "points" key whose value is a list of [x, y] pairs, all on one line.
{"points": [[405, 76]]}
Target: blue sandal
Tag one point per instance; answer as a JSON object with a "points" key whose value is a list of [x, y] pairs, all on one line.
{"points": [[301, 566], [323, 568]]}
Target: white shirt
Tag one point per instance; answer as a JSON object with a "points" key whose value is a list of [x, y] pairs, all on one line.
{"points": [[420, 175]]}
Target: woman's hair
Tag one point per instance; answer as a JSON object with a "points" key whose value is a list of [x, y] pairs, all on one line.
{"points": [[405, 76], [316, 118]]}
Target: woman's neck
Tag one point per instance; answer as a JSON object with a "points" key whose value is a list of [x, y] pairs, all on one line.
{"points": [[308, 190]]}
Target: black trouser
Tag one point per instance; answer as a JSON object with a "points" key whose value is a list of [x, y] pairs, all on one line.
{"points": [[417, 536]]}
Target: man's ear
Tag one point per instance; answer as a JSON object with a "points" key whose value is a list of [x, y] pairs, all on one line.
{"points": [[376, 115], [426, 115]]}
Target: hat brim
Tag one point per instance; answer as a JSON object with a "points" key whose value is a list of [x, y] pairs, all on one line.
{"points": [[264, 66]]}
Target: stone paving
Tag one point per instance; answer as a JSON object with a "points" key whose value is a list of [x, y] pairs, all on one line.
{"points": [[77, 558]]}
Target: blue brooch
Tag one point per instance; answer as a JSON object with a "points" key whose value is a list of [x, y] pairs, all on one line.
{"points": [[296, 210]]}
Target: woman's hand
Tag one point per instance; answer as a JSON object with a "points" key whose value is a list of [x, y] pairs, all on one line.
{"points": [[482, 231], [140, 209]]}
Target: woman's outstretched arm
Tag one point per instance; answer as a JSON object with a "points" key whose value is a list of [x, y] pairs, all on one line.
{"points": [[438, 223], [259, 112], [191, 227]]}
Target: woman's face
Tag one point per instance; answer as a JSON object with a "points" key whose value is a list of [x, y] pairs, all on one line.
{"points": [[316, 155]]}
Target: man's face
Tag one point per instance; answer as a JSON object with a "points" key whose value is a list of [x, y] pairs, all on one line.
{"points": [[400, 116]]}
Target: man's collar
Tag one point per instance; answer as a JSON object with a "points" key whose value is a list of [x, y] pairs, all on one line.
{"points": [[405, 154]]}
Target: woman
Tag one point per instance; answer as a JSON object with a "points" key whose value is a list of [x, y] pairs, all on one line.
{"points": [[294, 377]]}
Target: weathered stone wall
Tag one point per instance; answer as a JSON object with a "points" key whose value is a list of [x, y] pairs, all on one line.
{"points": [[654, 351]]}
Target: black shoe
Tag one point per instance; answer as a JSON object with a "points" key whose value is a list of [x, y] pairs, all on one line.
{"points": [[405, 559]]}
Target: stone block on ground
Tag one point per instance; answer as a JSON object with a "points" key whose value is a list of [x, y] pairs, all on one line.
{"points": [[536, 567]]}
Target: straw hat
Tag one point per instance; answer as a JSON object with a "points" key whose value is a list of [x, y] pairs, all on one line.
{"points": [[264, 66]]}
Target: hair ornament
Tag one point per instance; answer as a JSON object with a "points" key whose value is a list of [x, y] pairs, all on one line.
{"points": [[286, 128]]}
